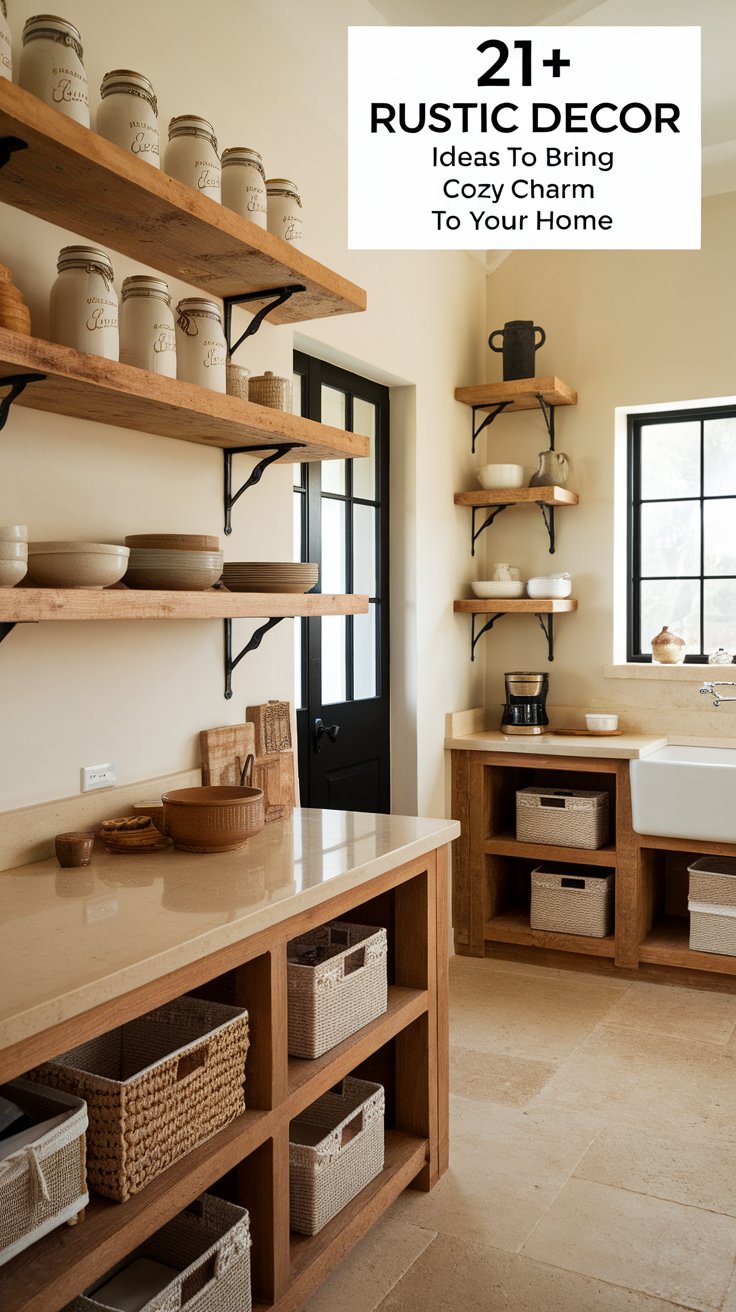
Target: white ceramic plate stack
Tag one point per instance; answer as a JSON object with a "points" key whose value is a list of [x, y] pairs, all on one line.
{"points": [[75, 564], [180, 562], [269, 576], [13, 554]]}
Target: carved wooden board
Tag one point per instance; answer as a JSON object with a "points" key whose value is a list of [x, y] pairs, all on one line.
{"points": [[224, 752]]}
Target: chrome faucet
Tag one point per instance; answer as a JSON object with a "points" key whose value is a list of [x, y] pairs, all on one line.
{"points": [[711, 688]]}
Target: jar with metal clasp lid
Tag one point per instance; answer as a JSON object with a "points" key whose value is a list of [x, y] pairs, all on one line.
{"points": [[128, 114], [191, 155], [52, 67], [244, 184], [284, 210], [84, 303], [147, 331], [6, 52], [201, 350]]}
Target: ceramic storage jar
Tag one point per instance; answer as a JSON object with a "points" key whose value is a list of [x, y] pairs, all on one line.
{"points": [[201, 350], [128, 114], [244, 184], [147, 331], [6, 53], [191, 155], [284, 210], [51, 65], [84, 303]]}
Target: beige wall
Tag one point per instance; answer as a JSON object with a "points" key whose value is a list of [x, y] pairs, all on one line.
{"points": [[625, 329], [271, 75]]}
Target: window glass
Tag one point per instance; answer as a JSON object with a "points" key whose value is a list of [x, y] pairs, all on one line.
{"points": [[719, 457], [670, 460], [670, 538]]}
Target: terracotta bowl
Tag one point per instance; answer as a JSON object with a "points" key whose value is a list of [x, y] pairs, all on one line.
{"points": [[212, 819]]}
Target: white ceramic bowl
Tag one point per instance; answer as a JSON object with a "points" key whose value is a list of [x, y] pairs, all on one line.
{"points": [[13, 550], [499, 588], [492, 476], [548, 586], [11, 572], [601, 722], [13, 532], [75, 564]]}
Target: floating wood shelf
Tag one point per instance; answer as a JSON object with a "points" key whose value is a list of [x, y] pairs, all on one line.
{"points": [[521, 394], [30, 605], [513, 927], [517, 606], [112, 393], [518, 496], [75, 178]]}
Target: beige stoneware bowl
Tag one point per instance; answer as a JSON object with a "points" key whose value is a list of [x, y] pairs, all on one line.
{"points": [[75, 564], [13, 532], [11, 572], [13, 550]]}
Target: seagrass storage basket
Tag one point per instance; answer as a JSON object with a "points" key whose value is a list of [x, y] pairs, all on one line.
{"points": [[572, 900], [199, 1260], [564, 817], [330, 1000], [335, 1150], [712, 905], [155, 1088], [42, 1170]]}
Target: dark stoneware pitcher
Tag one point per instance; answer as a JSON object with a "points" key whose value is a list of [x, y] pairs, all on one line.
{"points": [[518, 347]]}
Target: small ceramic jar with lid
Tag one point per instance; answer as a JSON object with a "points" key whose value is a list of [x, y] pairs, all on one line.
{"points": [[284, 210], [201, 349], [128, 114], [6, 53], [191, 155], [244, 184], [147, 331], [667, 648], [84, 303], [52, 67]]}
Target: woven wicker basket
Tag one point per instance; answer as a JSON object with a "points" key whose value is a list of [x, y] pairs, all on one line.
{"points": [[712, 905], [208, 1247], [155, 1088], [335, 1150], [42, 1184], [268, 389], [563, 817], [332, 1000], [572, 900]]}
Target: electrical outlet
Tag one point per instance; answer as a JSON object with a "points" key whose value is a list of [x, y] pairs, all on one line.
{"points": [[98, 776]]}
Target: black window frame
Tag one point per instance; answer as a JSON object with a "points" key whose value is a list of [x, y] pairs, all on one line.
{"points": [[635, 424]]}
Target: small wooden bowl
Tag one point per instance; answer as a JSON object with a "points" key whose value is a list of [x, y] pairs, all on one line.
{"points": [[212, 819]]}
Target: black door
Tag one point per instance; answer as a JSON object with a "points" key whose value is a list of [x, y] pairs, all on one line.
{"points": [[341, 517]]}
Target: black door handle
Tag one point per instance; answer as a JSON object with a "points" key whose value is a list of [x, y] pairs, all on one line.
{"points": [[320, 729]]}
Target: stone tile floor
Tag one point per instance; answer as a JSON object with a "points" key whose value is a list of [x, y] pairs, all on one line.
{"points": [[593, 1156]]}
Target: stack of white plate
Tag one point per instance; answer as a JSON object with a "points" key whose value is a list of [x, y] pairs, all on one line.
{"points": [[269, 576], [154, 567]]}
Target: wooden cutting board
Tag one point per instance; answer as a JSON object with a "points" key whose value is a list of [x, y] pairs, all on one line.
{"points": [[224, 751]]}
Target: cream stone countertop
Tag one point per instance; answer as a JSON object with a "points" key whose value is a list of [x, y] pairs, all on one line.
{"points": [[627, 747], [70, 939]]}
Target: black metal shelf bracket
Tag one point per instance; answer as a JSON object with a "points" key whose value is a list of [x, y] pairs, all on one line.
{"points": [[17, 384], [8, 147], [489, 416], [255, 476], [548, 515], [5, 628], [475, 637], [548, 413], [252, 645], [279, 295], [548, 630], [476, 532]]}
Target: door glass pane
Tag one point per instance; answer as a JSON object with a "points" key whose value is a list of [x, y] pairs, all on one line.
{"points": [[298, 503], [670, 460], [298, 671], [364, 654], [333, 546], [719, 455], [719, 600], [670, 538], [333, 413], [296, 394], [364, 470], [674, 602], [364, 549], [719, 537], [334, 686]]}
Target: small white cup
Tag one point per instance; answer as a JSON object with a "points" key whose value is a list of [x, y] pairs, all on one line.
{"points": [[601, 722]]}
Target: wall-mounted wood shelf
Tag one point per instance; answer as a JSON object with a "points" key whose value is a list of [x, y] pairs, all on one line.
{"points": [[112, 393], [496, 607], [495, 500], [75, 178], [21, 605], [521, 394]]}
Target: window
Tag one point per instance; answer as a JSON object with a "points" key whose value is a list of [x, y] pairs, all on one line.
{"points": [[682, 529]]}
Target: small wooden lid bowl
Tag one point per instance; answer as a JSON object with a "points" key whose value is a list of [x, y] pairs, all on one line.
{"points": [[213, 818]]}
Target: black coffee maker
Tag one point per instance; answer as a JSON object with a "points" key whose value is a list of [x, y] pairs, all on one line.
{"points": [[525, 709]]}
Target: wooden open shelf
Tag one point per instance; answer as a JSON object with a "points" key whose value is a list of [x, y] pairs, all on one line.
{"points": [[31, 605], [518, 496], [108, 392], [518, 606], [521, 394], [667, 945], [75, 178], [506, 844], [513, 927]]}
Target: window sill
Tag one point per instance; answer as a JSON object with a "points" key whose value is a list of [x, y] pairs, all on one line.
{"points": [[674, 673]]}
